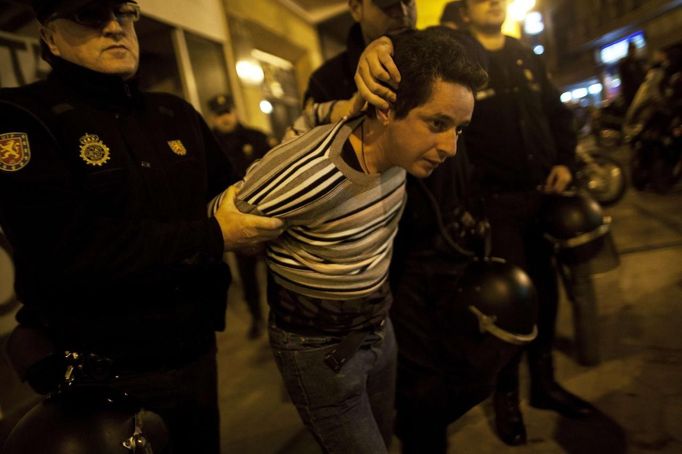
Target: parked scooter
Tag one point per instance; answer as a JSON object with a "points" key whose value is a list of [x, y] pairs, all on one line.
{"points": [[600, 175], [606, 123]]}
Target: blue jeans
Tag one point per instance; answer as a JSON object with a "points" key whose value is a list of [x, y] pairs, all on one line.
{"points": [[348, 412]]}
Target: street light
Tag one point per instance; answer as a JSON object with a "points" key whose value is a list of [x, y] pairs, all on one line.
{"points": [[533, 24], [518, 9], [250, 72]]}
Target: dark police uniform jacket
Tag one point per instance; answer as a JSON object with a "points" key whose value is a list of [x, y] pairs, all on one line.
{"points": [[334, 79], [104, 191], [520, 129]]}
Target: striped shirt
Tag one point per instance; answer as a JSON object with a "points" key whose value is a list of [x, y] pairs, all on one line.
{"points": [[340, 223]]}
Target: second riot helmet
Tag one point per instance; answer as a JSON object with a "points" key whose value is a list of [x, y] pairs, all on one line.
{"points": [[502, 299]]}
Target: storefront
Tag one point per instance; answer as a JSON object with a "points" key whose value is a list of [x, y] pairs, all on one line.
{"points": [[194, 49]]}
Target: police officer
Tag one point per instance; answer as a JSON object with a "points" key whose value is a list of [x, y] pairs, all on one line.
{"points": [[532, 152], [242, 146], [104, 203], [334, 79]]}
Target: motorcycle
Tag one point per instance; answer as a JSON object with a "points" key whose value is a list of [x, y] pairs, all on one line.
{"points": [[606, 123], [602, 176]]}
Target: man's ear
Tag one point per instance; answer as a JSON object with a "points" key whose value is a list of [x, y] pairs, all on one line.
{"points": [[384, 116], [47, 35], [355, 7]]}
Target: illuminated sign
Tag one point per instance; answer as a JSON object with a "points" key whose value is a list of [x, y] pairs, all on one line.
{"points": [[618, 50]]}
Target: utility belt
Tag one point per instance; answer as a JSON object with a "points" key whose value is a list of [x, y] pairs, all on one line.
{"points": [[45, 365]]}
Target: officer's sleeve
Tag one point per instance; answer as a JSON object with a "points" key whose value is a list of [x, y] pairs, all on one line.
{"points": [[560, 119], [52, 227], [314, 114]]}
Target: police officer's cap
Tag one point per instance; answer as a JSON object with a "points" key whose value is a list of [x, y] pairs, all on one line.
{"points": [[384, 4], [46, 8], [221, 104]]}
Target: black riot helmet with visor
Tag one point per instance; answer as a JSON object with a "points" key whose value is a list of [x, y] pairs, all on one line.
{"points": [[89, 13]]}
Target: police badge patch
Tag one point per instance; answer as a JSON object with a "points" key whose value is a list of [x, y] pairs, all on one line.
{"points": [[93, 150], [15, 152], [177, 147]]}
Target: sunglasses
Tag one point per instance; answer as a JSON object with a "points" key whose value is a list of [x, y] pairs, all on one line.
{"points": [[97, 15]]}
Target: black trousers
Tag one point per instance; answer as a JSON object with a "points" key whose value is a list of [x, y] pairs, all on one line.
{"points": [[247, 265], [517, 236], [445, 365]]}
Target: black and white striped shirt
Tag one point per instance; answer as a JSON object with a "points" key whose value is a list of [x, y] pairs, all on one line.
{"points": [[340, 223]]}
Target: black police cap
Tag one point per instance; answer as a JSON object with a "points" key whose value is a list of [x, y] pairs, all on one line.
{"points": [[221, 103], [45, 8]]}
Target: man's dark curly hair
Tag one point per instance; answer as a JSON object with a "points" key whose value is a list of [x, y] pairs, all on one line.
{"points": [[425, 56]]}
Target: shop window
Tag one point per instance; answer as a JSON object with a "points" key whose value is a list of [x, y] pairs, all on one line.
{"points": [[158, 62], [208, 66], [20, 61]]}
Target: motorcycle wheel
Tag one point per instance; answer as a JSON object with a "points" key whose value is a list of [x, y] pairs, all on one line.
{"points": [[604, 179]]}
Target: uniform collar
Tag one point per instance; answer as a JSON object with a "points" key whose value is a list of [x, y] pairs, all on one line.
{"points": [[101, 89]]}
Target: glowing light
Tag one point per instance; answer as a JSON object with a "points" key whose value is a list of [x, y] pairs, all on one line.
{"points": [[533, 24], [539, 49], [250, 72], [594, 89], [518, 9], [615, 51], [566, 96], [265, 107], [579, 93]]}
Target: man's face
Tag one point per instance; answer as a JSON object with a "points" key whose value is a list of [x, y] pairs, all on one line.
{"points": [[485, 14], [111, 48], [375, 21], [428, 135], [225, 122]]}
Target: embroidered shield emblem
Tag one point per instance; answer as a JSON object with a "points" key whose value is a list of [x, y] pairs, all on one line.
{"points": [[15, 152], [177, 147], [93, 150]]}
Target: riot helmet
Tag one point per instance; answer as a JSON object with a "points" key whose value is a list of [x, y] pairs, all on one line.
{"points": [[575, 226], [88, 420], [501, 298]]}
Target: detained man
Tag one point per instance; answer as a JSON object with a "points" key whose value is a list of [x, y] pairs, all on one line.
{"points": [[340, 190]]}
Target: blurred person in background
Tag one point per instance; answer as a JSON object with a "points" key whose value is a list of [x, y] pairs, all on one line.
{"points": [[632, 70], [242, 146]]}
